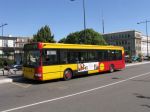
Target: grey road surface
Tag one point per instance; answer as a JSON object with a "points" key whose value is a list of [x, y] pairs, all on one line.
{"points": [[122, 91]]}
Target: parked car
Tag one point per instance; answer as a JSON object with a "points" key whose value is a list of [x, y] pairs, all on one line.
{"points": [[16, 66], [136, 58], [145, 57]]}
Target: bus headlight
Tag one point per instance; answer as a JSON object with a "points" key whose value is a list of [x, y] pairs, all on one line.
{"points": [[38, 75]]}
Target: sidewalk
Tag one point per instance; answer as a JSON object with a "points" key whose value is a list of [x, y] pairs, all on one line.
{"points": [[10, 78]]}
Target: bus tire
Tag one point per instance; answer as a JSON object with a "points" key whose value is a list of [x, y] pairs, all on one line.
{"points": [[111, 68], [68, 74]]}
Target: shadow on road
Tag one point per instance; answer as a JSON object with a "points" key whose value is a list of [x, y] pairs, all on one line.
{"points": [[141, 96], [33, 82], [20, 79], [148, 106]]}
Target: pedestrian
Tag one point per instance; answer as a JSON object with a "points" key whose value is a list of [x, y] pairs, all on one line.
{"points": [[6, 67]]}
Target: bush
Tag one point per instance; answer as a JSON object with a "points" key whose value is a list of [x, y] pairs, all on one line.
{"points": [[1, 63], [10, 62], [149, 58]]}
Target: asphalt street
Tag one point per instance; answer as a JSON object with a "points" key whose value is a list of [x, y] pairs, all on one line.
{"points": [[127, 90]]}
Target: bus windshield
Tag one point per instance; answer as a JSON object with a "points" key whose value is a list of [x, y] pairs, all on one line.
{"points": [[32, 58]]}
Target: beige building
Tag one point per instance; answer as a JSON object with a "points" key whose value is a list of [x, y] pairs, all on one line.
{"points": [[130, 40], [12, 47], [144, 46]]}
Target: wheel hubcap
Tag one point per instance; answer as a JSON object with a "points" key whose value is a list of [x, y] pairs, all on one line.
{"points": [[68, 75]]}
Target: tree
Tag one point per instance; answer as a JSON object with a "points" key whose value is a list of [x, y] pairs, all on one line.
{"points": [[62, 40], [92, 37], [7, 53], [44, 35]]}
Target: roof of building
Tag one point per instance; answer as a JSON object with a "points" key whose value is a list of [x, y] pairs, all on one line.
{"points": [[121, 32], [12, 38]]}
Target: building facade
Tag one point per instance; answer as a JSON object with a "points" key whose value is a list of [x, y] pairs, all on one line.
{"points": [[130, 40], [144, 46], [12, 47]]}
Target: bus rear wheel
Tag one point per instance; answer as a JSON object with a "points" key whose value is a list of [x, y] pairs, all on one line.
{"points": [[68, 74], [111, 69]]}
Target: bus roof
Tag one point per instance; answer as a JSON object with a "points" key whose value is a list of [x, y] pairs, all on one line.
{"points": [[79, 46], [41, 45]]}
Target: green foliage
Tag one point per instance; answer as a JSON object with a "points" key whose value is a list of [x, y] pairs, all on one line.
{"points": [[148, 58], [7, 54], [62, 40], [10, 62], [140, 54], [44, 35], [1, 63], [73, 38], [91, 37]]}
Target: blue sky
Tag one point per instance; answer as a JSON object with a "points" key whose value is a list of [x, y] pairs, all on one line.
{"points": [[25, 17]]}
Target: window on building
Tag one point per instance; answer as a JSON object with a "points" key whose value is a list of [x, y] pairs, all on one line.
{"points": [[128, 35], [128, 47]]}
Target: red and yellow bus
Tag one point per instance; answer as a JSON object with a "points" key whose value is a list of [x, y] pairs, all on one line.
{"points": [[47, 61]]}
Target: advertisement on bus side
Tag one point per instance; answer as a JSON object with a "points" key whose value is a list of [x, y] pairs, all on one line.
{"points": [[82, 67]]}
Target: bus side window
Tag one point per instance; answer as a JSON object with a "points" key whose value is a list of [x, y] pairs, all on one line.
{"points": [[72, 57], [83, 56], [102, 55], [118, 54], [49, 57], [63, 57], [111, 55]]}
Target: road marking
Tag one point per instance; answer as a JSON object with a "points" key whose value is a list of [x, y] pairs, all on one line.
{"points": [[75, 94], [21, 85], [7, 80]]}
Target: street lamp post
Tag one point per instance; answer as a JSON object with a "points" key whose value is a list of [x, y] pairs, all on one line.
{"points": [[2, 33], [145, 22], [84, 14], [103, 27], [2, 27]]}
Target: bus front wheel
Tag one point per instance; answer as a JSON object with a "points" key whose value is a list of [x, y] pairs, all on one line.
{"points": [[68, 74]]}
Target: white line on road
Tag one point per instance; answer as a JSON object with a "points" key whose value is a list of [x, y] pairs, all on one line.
{"points": [[26, 86], [75, 94]]}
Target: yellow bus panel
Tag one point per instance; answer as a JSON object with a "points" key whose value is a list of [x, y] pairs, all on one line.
{"points": [[93, 71], [56, 71], [28, 72], [73, 67]]}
